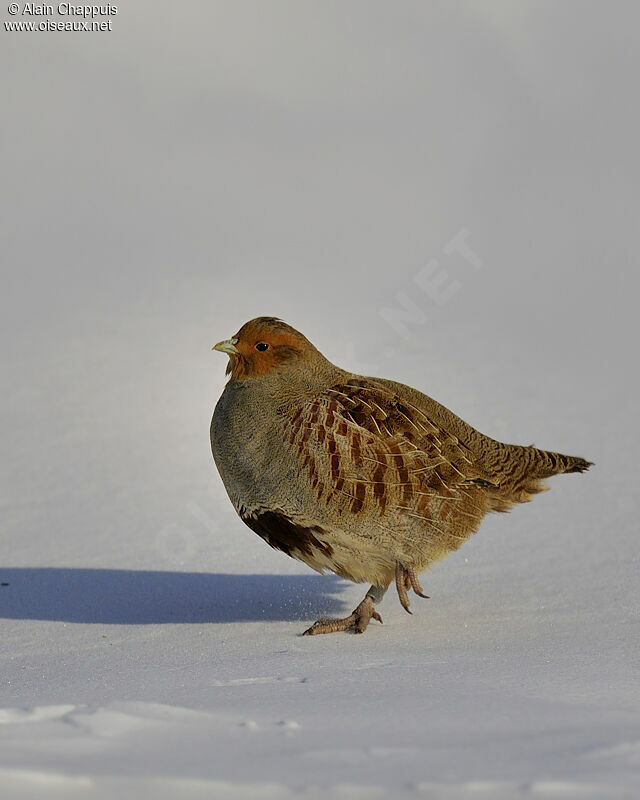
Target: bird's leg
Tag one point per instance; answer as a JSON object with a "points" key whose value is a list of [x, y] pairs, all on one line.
{"points": [[412, 578], [357, 620], [401, 587], [406, 578]]}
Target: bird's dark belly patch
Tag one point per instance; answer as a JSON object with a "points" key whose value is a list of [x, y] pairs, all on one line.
{"points": [[282, 534]]}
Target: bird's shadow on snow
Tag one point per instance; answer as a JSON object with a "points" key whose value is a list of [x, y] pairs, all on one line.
{"points": [[131, 597]]}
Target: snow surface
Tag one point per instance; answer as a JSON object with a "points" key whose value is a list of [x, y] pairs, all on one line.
{"points": [[150, 643], [171, 180]]}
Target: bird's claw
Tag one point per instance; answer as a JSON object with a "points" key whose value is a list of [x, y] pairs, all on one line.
{"points": [[357, 621], [406, 578]]}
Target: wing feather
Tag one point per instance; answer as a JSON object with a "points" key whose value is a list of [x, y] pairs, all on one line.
{"points": [[368, 450]]}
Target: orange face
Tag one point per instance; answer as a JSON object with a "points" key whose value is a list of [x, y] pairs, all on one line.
{"points": [[260, 346]]}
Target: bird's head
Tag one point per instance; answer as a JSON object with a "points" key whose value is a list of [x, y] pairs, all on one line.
{"points": [[264, 345]]}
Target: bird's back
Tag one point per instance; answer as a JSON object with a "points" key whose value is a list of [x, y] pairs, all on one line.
{"points": [[513, 472]]}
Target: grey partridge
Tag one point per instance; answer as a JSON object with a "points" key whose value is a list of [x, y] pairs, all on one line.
{"points": [[364, 477]]}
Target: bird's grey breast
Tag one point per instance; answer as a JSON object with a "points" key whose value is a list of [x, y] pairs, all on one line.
{"points": [[245, 431]]}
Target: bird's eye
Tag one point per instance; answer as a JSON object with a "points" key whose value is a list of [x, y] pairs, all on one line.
{"points": [[262, 346]]}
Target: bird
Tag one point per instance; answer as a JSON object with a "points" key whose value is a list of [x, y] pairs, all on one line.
{"points": [[360, 476]]}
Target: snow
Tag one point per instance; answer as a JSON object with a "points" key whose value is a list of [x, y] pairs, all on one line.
{"points": [[149, 641]]}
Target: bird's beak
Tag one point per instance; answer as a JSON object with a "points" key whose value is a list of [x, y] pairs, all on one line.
{"points": [[227, 346]]}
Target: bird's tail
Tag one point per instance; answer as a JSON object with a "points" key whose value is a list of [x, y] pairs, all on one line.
{"points": [[544, 463], [528, 477]]}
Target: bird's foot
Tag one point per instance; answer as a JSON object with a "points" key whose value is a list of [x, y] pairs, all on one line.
{"points": [[356, 621], [406, 578]]}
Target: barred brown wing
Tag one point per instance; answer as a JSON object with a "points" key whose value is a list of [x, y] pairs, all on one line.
{"points": [[365, 449]]}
